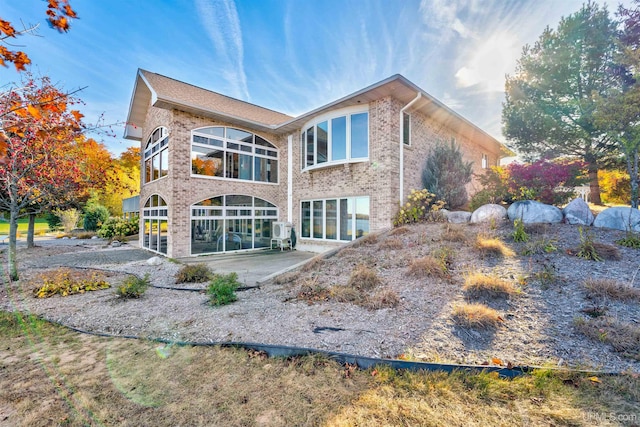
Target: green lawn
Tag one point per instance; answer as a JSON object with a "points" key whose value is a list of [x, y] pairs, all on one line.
{"points": [[23, 224]]}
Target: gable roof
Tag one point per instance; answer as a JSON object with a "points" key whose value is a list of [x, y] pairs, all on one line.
{"points": [[164, 92]]}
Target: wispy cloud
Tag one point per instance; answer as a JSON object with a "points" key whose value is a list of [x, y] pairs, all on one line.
{"points": [[221, 23]]}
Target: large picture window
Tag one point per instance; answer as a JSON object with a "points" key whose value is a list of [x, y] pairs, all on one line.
{"points": [[335, 219], [156, 155], [336, 140], [231, 223], [155, 224], [227, 152]]}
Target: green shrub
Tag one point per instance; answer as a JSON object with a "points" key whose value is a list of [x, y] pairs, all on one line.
{"points": [[53, 221], [445, 174], [542, 245], [421, 206], [94, 216], [222, 289], [133, 286], [66, 282], [118, 227], [194, 273], [519, 235], [631, 240], [587, 248]]}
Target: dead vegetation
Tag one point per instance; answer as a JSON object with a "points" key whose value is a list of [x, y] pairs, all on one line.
{"points": [[476, 315], [479, 284], [610, 289]]}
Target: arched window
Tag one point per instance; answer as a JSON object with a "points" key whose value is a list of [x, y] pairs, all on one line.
{"points": [[156, 155], [231, 223], [155, 229], [227, 152]]}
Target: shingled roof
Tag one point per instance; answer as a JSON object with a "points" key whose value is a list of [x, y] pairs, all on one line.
{"points": [[165, 92]]}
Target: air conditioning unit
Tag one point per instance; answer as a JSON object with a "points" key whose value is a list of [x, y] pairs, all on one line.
{"points": [[282, 230]]}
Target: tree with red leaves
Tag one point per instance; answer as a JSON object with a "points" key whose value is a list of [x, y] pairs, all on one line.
{"points": [[38, 151], [59, 12]]}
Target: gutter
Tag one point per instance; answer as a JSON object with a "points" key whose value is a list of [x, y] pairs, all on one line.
{"points": [[417, 98]]}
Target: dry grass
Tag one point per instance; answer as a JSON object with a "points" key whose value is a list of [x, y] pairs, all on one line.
{"points": [[488, 285], [607, 252], [393, 243], [348, 294], [384, 298], [314, 264], [399, 231], [454, 233], [369, 239], [610, 289], [51, 376], [363, 278], [428, 266], [478, 316], [623, 337], [311, 292], [492, 246]]}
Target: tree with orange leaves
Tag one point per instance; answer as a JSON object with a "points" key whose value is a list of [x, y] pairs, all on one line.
{"points": [[59, 12], [40, 167]]}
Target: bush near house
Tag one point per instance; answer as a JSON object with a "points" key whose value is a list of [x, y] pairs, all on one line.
{"points": [[540, 180], [94, 216], [421, 206], [445, 175], [118, 227]]}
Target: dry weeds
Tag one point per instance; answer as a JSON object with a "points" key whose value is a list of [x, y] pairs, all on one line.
{"points": [[624, 337], [391, 244], [477, 316], [428, 266], [363, 278], [492, 246], [480, 284], [610, 289]]}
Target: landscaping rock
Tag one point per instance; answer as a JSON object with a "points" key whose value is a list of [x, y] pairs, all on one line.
{"points": [[116, 244], [94, 237], [530, 212], [619, 218], [488, 212], [156, 260], [578, 212], [457, 217]]}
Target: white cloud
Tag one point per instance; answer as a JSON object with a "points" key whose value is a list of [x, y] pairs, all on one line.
{"points": [[222, 25]]}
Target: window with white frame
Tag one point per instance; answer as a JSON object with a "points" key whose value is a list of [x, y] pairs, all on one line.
{"points": [[155, 224], [231, 223], [227, 152], [336, 139], [406, 128], [156, 155], [485, 161], [335, 219]]}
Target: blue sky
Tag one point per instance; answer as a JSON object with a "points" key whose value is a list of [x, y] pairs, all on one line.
{"points": [[288, 55]]}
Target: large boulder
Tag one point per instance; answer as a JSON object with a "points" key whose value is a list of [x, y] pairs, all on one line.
{"points": [[456, 217], [488, 212], [530, 211], [619, 218], [577, 212]]}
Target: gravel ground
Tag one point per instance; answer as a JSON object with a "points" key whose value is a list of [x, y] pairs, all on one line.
{"points": [[538, 325]]}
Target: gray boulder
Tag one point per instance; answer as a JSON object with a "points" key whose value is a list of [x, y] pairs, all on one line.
{"points": [[530, 211], [156, 260], [577, 212], [488, 212], [619, 218], [456, 217]]}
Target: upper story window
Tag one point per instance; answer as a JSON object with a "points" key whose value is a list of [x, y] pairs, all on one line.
{"points": [[227, 152], [339, 138], [156, 155], [406, 128]]}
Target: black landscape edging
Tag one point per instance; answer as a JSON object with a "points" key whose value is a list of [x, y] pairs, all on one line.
{"points": [[361, 362]]}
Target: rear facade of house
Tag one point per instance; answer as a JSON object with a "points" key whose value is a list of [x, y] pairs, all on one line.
{"points": [[217, 172]]}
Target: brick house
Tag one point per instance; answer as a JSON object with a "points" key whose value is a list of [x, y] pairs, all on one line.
{"points": [[217, 171]]}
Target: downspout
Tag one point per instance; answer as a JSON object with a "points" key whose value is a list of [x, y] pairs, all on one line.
{"points": [[290, 178], [401, 195]]}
